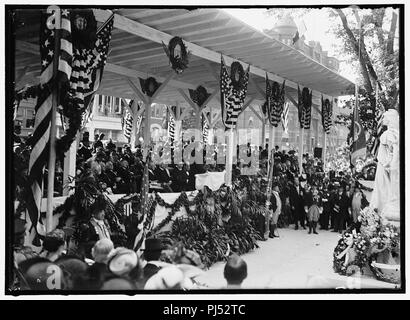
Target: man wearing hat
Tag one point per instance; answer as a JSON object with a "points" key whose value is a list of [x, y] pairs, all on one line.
{"points": [[152, 253], [296, 197]]}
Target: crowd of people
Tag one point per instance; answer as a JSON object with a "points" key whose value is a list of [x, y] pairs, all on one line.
{"points": [[313, 198], [308, 199], [113, 268]]}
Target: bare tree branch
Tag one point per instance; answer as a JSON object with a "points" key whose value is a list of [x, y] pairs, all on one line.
{"points": [[355, 43]]}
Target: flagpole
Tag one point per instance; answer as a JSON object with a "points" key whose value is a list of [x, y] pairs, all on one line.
{"points": [[53, 126]]}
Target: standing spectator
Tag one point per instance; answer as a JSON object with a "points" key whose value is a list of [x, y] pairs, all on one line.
{"points": [[324, 217], [296, 198], [340, 205], [111, 146], [314, 210], [276, 205]]}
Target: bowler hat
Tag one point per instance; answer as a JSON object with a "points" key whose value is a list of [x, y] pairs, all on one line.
{"points": [[152, 244]]}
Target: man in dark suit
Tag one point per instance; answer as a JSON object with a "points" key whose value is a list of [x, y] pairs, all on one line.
{"points": [[180, 178], [152, 253], [340, 209], [164, 177], [296, 198]]}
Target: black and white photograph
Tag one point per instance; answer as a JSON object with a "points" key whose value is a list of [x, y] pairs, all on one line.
{"points": [[203, 149]]}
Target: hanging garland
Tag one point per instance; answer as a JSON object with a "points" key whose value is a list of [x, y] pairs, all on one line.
{"points": [[177, 54]]}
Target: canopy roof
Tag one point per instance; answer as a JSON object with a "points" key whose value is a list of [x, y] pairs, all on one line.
{"points": [[137, 51]]}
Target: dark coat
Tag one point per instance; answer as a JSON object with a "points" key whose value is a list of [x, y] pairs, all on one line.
{"points": [[180, 180], [162, 175], [296, 199]]}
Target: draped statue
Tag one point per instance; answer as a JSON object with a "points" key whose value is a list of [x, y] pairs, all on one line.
{"points": [[386, 193]]}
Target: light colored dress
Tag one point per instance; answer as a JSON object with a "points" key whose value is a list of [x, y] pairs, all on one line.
{"points": [[314, 210], [356, 206]]}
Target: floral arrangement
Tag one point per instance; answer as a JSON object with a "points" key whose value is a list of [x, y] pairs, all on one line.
{"points": [[351, 250], [370, 222]]}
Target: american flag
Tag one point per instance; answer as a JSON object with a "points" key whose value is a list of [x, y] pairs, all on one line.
{"points": [[305, 107], [285, 117], [327, 107], [379, 131], [171, 128], [43, 109], [146, 203], [88, 65], [205, 129], [275, 100], [231, 99], [127, 121]]}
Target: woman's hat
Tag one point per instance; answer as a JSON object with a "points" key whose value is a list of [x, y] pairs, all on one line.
{"points": [[122, 261]]}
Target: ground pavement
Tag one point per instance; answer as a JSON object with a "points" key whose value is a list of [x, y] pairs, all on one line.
{"points": [[296, 260]]}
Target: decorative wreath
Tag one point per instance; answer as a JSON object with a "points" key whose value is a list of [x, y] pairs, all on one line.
{"points": [[149, 86], [177, 54], [351, 250], [83, 29], [237, 75], [199, 95]]}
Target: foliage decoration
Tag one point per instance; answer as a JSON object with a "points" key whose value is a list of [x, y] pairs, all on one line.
{"points": [[177, 54], [199, 95]]}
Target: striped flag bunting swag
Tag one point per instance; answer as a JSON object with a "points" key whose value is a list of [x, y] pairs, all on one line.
{"points": [[327, 107], [305, 107], [285, 117], [275, 100], [171, 128], [127, 121], [43, 109], [205, 129], [232, 99], [379, 131], [146, 203]]}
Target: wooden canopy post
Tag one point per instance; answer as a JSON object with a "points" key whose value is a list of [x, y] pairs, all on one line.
{"points": [[324, 149], [301, 136], [229, 156]]}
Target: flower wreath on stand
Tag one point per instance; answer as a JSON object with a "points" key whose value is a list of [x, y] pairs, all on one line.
{"points": [[177, 54], [384, 251], [350, 254]]}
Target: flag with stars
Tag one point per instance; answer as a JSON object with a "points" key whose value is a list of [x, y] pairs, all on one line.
{"points": [[327, 107], [231, 99], [88, 65], [145, 206], [49, 77]]}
